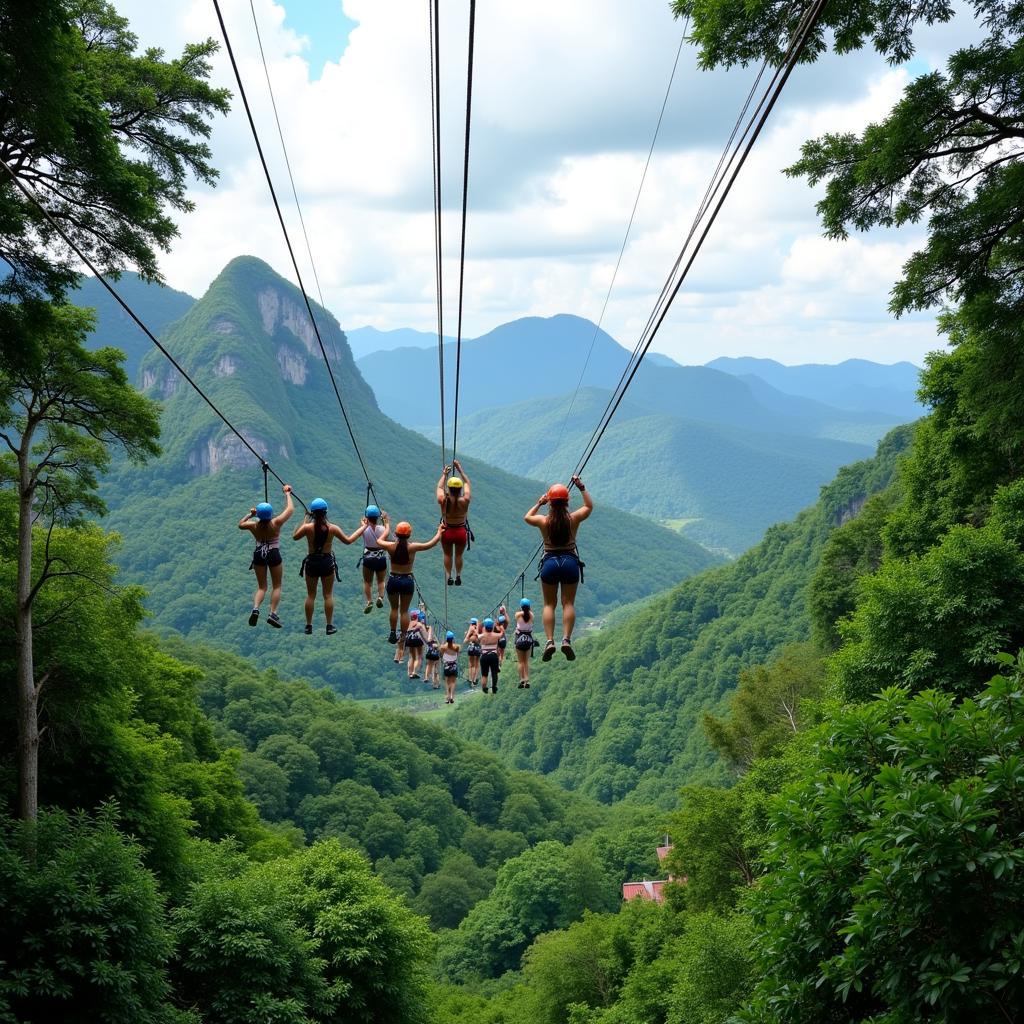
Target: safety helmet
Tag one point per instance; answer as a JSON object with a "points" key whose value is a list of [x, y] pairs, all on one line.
{"points": [[501, 618], [488, 623], [558, 492], [472, 622], [264, 512], [372, 512], [403, 529], [318, 505], [455, 483], [525, 603], [414, 615], [449, 635]]}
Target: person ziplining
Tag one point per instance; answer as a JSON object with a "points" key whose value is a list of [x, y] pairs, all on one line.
{"points": [[450, 662], [401, 583], [560, 568], [524, 641], [266, 530], [374, 562], [454, 493]]}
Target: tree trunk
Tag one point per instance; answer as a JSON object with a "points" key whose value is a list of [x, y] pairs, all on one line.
{"points": [[28, 692]]}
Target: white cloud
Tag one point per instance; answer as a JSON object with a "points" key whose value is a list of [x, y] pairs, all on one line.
{"points": [[565, 98]]}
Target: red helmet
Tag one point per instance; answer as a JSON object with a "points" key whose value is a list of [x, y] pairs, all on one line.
{"points": [[558, 492], [403, 529]]}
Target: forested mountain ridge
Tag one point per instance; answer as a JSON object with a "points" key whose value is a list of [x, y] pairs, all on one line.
{"points": [[623, 721], [250, 345], [720, 484]]}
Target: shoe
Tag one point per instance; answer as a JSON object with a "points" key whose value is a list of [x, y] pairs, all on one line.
{"points": [[380, 602], [485, 687], [331, 629], [368, 608], [549, 651], [415, 675], [392, 637], [522, 684], [450, 581], [254, 616], [308, 629], [458, 581], [567, 650], [526, 685], [273, 620]]}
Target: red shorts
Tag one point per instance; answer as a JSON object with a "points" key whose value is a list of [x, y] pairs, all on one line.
{"points": [[454, 534]]}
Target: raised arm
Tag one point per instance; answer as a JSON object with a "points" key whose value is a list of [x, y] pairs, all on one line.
{"points": [[588, 502], [246, 522], [467, 487], [440, 484], [532, 517], [428, 544], [289, 508], [351, 538], [337, 532], [388, 545], [302, 529]]}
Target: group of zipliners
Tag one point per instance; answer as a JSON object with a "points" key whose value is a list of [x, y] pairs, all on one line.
{"points": [[485, 640]]}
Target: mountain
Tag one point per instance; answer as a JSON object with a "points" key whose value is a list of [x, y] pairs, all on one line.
{"points": [[364, 340], [852, 384], [249, 344], [114, 327], [622, 722], [721, 485], [539, 357]]}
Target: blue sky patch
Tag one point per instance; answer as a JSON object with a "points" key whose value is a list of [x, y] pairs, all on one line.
{"points": [[326, 26]]}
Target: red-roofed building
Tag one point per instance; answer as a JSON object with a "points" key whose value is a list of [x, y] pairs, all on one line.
{"points": [[650, 890]]}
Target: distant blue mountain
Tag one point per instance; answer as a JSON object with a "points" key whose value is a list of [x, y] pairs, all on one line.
{"points": [[856, 384], [364, 340]]}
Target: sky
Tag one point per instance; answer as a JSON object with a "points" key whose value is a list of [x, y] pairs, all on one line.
{"points": [[565, 98]]}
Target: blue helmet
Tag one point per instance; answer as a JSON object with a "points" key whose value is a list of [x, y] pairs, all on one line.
{"points": [[488, 623], [501, 618], [449, 635], [472, 622], [372, 512], [318, 505], [264, 512], [525, 603]]}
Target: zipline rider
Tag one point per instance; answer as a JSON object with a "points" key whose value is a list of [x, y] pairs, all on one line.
{"points": [[401, 585], [455, 531]]}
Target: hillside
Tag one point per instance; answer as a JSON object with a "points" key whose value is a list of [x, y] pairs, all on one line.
{"points": [[623, 721], [852, 384], [723, 486], [114, 327], [249, 344]]}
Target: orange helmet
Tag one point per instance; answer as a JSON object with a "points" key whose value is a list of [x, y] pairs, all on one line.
{"points": [[403, 529], [558, 492]]}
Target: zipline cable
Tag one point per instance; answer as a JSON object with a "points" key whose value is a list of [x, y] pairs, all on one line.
{"points": [[722, 186], [625, 240], [435, 162], [185, 375], [287, 239], [465, 197]]}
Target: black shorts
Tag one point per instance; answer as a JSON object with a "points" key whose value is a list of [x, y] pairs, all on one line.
{"points": [[451, 671], [433, 654], [403, 583], [524, 641], [489, 664], [503, 643], [319, 566], [413, 640], [473, 651], [271, 557], [375, 560]]}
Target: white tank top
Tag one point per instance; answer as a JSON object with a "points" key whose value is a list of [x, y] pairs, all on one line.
{"points": [[449, 657], [371, 534], [522, 626]]}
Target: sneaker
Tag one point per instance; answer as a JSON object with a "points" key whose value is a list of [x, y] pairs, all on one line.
{"points": [[549, 651], [450, 581], [526, 685], [567, 650], [308, 629], [254, 616], [522, 684], [415, 675], [273, 620], [331, 629], [392, 637], [380, 602], [458, 581], [368, 608], [485, 687]]}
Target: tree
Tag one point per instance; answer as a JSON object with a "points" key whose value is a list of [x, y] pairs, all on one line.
{"points": [[59, 418], [766, 709], [82, 933], [895, 883], [107, 138]]}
